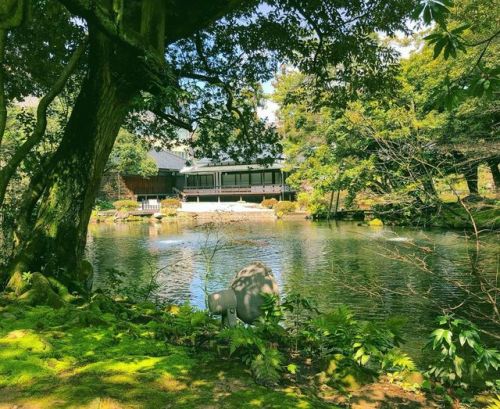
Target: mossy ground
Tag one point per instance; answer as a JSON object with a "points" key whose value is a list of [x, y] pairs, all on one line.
{"points": [[55, 359]]}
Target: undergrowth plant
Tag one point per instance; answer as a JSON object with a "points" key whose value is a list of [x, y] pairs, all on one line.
{"points": [[463, 359], [293, 337]]}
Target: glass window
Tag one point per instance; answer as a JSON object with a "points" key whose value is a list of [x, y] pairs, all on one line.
{"points": [[277, 178], [191, 180], [228, 179], [268, 178], [244, 179], [206, 180], [256, 178]]}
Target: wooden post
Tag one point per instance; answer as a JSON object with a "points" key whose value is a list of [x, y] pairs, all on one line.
{"points": [[330, 205], [336, 204]]}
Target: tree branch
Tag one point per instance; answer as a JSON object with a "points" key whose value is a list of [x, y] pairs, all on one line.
{"points": [[9, 169], [173, 120]]}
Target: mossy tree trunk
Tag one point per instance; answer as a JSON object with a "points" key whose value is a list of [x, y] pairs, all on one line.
{"points": [[53, 239]]}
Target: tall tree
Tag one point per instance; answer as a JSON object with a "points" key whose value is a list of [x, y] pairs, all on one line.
{"points": [[191, 64]]}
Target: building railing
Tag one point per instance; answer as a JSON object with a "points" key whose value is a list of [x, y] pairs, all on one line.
{"points": [[147, 206], [221, 190]]}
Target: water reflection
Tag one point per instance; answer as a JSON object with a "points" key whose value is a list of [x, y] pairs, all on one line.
{"points": [[328, 263]]}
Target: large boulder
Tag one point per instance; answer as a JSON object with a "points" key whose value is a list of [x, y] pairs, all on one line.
{"points": [[249, 285]]}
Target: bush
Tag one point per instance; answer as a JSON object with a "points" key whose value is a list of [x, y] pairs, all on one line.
{"points": [[125, 204], [103, 205], [462, 356], [273, 345], [284, 207], [171, 202], [268, 203], [303, 200], [170, 211]]}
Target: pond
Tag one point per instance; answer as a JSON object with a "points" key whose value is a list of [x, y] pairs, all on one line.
{"points": [[372, 270]]}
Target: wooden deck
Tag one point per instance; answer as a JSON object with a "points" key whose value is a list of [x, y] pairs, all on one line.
{"points": [[236, 190]]}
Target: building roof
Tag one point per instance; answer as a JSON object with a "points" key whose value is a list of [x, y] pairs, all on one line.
{"points": [[208, 168], [166, 160]]}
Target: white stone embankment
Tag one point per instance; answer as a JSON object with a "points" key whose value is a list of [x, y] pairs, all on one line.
{"points": [[232, 210]]}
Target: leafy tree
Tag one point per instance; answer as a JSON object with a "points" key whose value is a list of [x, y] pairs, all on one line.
{"points": [[130, 156], [182, 64]]}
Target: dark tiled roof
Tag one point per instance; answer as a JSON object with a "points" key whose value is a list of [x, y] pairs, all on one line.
{"points": [[167, 160]]}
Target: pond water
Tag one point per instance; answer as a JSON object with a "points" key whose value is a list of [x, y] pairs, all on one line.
{"points": [[365, 268]]}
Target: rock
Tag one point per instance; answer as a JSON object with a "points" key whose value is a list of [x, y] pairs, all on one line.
{"points": [[248, 286], [121, 215], [375, 223]]}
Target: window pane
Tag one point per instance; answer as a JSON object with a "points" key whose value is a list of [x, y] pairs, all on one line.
{"points": [[244, 179], [256, 178], [268, 178], [228, 179], [277, 178]]}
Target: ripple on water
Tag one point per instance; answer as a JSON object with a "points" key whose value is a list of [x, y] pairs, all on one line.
{"points": [[328, 263]]}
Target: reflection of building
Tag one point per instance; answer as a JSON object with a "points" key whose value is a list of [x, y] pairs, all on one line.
{"points": [[207, 181]]}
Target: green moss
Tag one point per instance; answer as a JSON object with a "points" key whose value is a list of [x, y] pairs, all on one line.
{"points": [[53, 359]]}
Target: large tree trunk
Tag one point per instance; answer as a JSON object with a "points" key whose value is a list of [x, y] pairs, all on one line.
{"points": [[495, 172], [471, 177], [53, 241]]}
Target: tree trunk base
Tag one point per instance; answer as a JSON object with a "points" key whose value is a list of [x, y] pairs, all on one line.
{"points": [[36, 289]]}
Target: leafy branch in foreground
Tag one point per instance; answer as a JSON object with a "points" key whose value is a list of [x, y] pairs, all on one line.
{"points": [[463, 358]]}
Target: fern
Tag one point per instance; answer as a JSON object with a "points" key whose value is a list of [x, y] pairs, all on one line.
{"points": [[398, 360], [241, 338], [266, 366], [494, 403]]}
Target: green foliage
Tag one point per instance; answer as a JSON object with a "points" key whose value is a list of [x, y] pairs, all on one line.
{"points": [[101, 204], [284, 207], [91, 357], [268, 203], [171, 202], [294, 331], [130, 156], [125, 204], [187, 326], [257, 346], [463, 358], [465, 26], [116, 284]]}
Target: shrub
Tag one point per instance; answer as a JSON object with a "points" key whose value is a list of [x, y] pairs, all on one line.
{"points": [[284, 207], [268, 203], [125, 204], [103, 205], [463, 357], [274, 345], [303, 200], [170, 211], [171, 202]]}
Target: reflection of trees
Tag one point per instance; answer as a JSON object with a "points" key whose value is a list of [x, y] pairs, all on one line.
{"points": [[178, 275], [122, 247], [341, 264]]}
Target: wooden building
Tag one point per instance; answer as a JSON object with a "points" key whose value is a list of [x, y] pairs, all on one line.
{"points": [[228, 181], [168, 182], [206, 181]]}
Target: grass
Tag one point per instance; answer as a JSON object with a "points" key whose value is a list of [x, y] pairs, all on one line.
{"points": [[56, 359]]}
